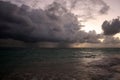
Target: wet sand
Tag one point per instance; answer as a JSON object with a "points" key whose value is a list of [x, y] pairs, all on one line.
{"points": [[106, 68], [60, 64]]}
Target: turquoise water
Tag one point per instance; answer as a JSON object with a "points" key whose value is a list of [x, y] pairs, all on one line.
{"points": [[59, 64]]}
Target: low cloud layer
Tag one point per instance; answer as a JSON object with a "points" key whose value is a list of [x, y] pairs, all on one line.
{"points": [[111, 40], [111, 27]]}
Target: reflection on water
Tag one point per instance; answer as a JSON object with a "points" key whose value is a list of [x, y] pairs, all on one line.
{"points": [[60, 64], [91, 56]]}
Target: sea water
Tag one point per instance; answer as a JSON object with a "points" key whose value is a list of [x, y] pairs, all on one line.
{"points": [[60, 64]]}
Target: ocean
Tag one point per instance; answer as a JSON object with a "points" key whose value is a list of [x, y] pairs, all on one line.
{"points": [[60, 64]]}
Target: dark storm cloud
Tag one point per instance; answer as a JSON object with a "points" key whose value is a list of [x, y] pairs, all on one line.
{"points": [[84, 9], [54, 24], [111, 27], [12, 23]]}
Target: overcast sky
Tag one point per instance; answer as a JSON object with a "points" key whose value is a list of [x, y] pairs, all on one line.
{"points": [[60, 21]]}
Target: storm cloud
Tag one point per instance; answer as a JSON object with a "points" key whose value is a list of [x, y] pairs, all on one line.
{"points": [[53, 24], [111, 27], [84, 9], [12, 23]]}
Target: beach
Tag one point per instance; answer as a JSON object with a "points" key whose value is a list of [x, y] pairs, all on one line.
{"points": [[60, 64]]}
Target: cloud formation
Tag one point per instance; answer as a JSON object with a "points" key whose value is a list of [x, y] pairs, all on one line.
{"points": [[111, 40], [54, 24], [111, 27], [84, 9], [12, 23]]}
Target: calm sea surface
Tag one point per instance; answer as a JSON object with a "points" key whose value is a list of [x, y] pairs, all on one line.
{"points": [[59, 64]]}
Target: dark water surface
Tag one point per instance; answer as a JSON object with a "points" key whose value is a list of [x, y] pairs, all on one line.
{"points": [[60, 64]]}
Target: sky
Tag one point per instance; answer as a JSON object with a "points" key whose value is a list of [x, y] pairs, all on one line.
{"points": [[60, 23], [112, 13]]}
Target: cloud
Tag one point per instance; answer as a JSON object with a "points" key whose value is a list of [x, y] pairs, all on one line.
{"points": [[31, 3], [90, 37], [12, 23], [111, 27], [85, 9], [111, 40], [54, 24]]}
